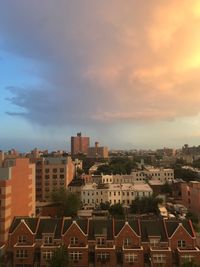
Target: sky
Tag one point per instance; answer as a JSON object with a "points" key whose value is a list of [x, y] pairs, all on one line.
{"points": [[125, 73]]}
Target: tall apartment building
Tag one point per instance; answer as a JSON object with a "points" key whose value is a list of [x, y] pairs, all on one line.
{"points": [[52, 173], [97, 152], [17, 192], [79, 144]]}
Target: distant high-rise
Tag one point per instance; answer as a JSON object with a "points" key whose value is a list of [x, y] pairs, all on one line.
{"points": [[97, 152], [79, 144]]}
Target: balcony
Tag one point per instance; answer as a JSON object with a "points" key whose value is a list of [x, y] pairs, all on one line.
{"points": [[132, 247], [105, 246], [78, 246], [159, 247], [188, 249]]}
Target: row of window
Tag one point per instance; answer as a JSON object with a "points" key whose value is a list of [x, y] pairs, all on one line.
{"points": [[55, 170], [119, 193], [54, 176], [100, 241]]}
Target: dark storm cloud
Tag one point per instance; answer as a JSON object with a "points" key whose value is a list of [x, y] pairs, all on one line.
{"points": [[101, 60]]}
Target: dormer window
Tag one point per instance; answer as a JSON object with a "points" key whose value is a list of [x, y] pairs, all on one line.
{"points": [[48, 240], [21, 239], [181, 243], [154, 242], [73, 241], [127, 242], [101, 241]]}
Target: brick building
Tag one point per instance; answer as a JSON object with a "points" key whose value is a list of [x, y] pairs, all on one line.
{"points": [[102, 243], [97, 152], [79, 144], [52, 173], [190, 193], [17, 192]]}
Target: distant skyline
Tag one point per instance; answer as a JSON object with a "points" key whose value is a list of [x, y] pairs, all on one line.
{"points": [[125, 73]]}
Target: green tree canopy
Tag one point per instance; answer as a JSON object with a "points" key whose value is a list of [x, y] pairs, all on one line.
{"points": [[119, 165], [185, 174], [117, 211], [60, 258], [69, 202], [145, 205]]}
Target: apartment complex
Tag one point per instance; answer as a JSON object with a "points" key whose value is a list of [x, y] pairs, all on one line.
{"points": [[139, 176], [52, 173], [190, 193], [94, 194], [79, 144], [17, 192], [151, 173], [97, 152], [98, 242]]}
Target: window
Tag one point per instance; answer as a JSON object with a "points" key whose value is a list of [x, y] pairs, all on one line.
{"points": [[74, 240], [159, 258], [61, 170], [101, 241], [181, 243], [62, 176], [75, 255], [103, 256], [47, 255], [21, 253], [131, 257], [55, 176], [48, 240], [127, 241], [55, 170], [46, 170], [154, 242], [22, 239], [187, 258]]}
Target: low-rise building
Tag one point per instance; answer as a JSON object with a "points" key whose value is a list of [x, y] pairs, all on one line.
{"points": [[100, 242], [114, 193]]}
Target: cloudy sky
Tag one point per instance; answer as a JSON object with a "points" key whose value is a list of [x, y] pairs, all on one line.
{"points": [[126, 73]]}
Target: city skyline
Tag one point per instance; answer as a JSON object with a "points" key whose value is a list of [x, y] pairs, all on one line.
{"points": [[125, 74]]}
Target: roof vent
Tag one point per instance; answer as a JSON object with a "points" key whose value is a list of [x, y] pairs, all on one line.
{"points": [[126, 223], [22, 221]]}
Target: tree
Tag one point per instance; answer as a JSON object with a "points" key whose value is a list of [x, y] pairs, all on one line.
{"points": [[145, 205], [166, 188], [60, 258], [190, 264], [117, 211], [191, 216], [185, 174], [119, 165], [105, 206], [69, 203]]}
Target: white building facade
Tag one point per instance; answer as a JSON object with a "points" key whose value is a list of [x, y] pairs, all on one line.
{"points": [[93, 194]]}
